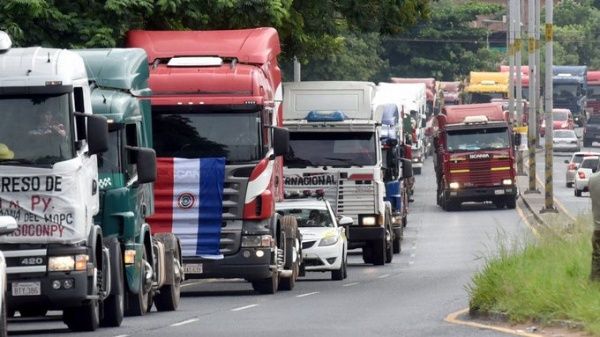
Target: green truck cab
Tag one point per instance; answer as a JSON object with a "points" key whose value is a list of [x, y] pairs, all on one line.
{"points": [[152, 270]]}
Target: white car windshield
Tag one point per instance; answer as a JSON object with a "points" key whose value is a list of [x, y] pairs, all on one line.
{"points": [[309, 217]]}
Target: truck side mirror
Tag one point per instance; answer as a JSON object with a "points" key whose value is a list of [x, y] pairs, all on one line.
{"points": [[281, 140], [8, 224], [97, 134], [407, 170], [145, 159]]}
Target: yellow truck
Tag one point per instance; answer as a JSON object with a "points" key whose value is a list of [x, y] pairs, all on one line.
{"points": [[485, 86]]}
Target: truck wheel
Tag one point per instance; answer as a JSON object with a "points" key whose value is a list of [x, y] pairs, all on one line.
{"points": [[397, 243], [84, 318], [404, 221], [389, 248], [577, 192], [169, 295], [137, 304], [3, 329], [114, 305], [33, 312], [367, 253], [379, 249], [268, 285], [511, 203], [290, 227]]}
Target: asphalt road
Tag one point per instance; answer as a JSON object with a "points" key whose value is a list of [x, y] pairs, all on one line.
{"points": [[409, 297], [565, 195]]}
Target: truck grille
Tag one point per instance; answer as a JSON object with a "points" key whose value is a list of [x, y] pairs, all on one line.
{"points": [[479, 173]]}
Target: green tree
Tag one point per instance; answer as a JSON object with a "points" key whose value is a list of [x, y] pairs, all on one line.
{"points": [[446, 47], [577, 33]]}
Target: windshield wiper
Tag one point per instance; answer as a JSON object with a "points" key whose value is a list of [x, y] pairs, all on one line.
{"points": [[20, 161]]}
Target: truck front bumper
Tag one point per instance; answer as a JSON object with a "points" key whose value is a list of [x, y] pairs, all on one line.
{"points": [[247, 263], [481, 193], [51, 298]]}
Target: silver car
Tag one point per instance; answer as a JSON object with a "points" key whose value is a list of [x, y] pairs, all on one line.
{"points": [[573, 165], [565, 140]]}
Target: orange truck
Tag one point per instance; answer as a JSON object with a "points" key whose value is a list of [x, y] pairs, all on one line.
{"points": [[474, 156]]}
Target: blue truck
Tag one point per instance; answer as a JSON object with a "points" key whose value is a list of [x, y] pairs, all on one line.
{"points": [[570, 90]]}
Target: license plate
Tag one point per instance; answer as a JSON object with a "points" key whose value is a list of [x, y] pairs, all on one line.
{"points": [[192, 268], [498, 192], [26, 289]]}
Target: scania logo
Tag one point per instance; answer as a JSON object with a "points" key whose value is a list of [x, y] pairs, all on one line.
{"points": [[186, 200], [479, 156]]}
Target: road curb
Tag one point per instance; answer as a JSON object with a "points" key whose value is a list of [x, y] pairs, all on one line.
{"points": [[454, 318]]}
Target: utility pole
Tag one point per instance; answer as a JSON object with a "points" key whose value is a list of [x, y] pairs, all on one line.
{"points": [[519, 85], [549, 193], [511, 58], [538, 73], [532, 122]]}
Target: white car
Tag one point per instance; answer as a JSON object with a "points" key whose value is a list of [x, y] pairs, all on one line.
{"points": [[588, 166], [573, 165], [565, 140], [7, 225], [324, 243]]}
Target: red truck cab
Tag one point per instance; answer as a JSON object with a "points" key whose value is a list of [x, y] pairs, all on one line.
{"points": [[216, 96], [593, 94], [474, 156]]}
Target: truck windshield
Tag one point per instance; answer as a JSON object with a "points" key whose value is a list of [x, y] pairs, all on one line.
{"points": [[36, 130], [487, 97], [594, 92], [232, 134], [109, 162], [331, 149], [478, 139], [565, 91]]}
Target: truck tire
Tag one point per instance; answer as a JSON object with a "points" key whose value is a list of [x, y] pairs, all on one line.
{"points": [[169, 295], [268, 285], [379, 252], [511, 203], [84, 318], [114, 305], [367, 253], [397, 243], [137, 304], [3, 329], [577, 192], [289, 227], [389, 247]]}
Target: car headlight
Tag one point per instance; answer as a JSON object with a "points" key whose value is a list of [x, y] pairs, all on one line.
{"points": [[329, 239], [369, 221], [507, 182], [257, 241], [454, 185], [68, 263]]}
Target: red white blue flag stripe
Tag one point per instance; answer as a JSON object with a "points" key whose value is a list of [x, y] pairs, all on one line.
{"points": [[189, 203]]}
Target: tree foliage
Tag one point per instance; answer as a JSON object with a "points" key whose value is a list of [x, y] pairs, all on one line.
{"points": [[577, 33], [446, 47]]}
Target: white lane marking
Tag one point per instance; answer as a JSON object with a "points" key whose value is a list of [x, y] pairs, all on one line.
{"points": [[350, 284], [121, 336], [245, 307], [204, 281], [412, 256], [308, 294], [192, 320], [383, 276], [411, 262]]}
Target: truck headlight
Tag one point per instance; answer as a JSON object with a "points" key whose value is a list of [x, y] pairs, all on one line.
{"points": [[369, 221], [61, 263], [68, 263], [257, 241], [329, 239], [454, 185], [507, 182]]}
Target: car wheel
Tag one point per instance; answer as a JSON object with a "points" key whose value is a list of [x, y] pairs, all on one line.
{"points": [[577, 192]]}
